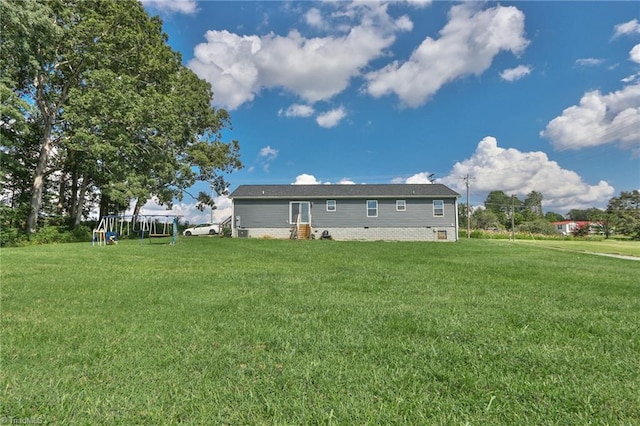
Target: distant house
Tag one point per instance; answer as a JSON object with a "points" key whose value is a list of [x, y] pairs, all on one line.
{"points": [[408, 212], [568, 227]]}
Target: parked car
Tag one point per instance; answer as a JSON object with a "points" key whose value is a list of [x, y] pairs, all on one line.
{"points": [[204, 229]]}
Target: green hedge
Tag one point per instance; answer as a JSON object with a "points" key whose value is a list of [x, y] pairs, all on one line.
{"points": [[45, 235]]}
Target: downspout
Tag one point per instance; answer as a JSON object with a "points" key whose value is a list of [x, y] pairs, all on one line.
{"points": [[310, 219], [455, 203], [234, 232]]}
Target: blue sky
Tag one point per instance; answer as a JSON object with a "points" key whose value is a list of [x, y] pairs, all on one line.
{"points": [[520, 95]]}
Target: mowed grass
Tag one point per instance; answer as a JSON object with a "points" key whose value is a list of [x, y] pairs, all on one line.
{"points": [[624, 247], [221, 331]]}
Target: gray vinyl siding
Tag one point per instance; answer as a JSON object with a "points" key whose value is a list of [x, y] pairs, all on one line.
{"points": [[262, 213], [350, 213]]}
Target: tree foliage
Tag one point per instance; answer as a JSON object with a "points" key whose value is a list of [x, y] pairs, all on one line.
{"points": [[538, 226], [485, 219], [532, 206], [621, 217], [624, 211], [96, 105], [553, 217]]}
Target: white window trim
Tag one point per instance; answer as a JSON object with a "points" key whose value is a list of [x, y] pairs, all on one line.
{"points": [[335, 206], [401, 205], [367, 206], [434, 208], [291, 203]]}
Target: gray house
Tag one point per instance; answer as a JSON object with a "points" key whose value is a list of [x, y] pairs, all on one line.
{"points": [[409, 212]]}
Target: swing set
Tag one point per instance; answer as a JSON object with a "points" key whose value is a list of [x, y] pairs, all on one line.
{"points": [[112, 227]]}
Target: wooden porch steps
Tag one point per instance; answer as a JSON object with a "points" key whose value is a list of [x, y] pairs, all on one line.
{"points": [[304, 232]]}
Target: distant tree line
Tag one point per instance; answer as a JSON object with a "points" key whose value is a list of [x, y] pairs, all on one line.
{"points": [[508, 212], [99, 112]]}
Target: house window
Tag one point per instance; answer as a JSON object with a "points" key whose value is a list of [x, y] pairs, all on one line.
{"points": [[442, 235], [331, 205], [438, 208], [372, 208], [401, 205]]}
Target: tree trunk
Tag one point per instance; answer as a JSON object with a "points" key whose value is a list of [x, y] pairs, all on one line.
{"points": [[73, 201], [62, 206], [49, 114], [39, 176], [79, 206], [104, 206], [138, 206]]}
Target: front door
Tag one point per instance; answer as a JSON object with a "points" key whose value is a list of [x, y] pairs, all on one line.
{"points": [[299, 212]]}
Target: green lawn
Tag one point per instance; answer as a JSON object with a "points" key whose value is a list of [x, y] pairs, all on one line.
{"points": [[222, 331], [625, 248]]}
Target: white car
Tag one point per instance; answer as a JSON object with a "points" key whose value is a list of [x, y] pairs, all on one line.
{"points": [[204, 229]]}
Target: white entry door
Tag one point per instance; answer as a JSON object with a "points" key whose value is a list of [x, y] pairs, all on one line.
{"points": [[301, 209]]}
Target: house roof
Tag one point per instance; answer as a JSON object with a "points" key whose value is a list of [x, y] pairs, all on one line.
{"points": [[344, 191]]}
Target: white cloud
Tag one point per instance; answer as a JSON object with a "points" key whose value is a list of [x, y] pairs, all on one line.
{"points": [[346, 181], [187, 7], [589, 62], [598, 119], [305, 179], [631, 78], [516, 172], [467, 45], [422, 177], [513, 74], [319, 68], [419, 3], [634, 54], [331, 118], [188, 212], [268, 153], [627, 28], [297, 110], [404, 23], [314, 18], [315, 69], [227, 61]]}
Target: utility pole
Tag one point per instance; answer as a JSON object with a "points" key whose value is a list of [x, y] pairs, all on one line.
{"points": [[467, 180], [513, 221]]}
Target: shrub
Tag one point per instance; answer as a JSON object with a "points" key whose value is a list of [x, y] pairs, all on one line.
{"points": [[49, 235], [477, 234], [8, 236], [538, 226], [581, 231], [82, 233], [45, 235]]}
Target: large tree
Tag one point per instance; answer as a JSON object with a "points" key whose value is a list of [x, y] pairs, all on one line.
{"points": [[624, 210], [582, 214], [117, 112], [485, 219], [602, 221], [504, 206], [18, 153], [553, 217], [533, 206]]}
